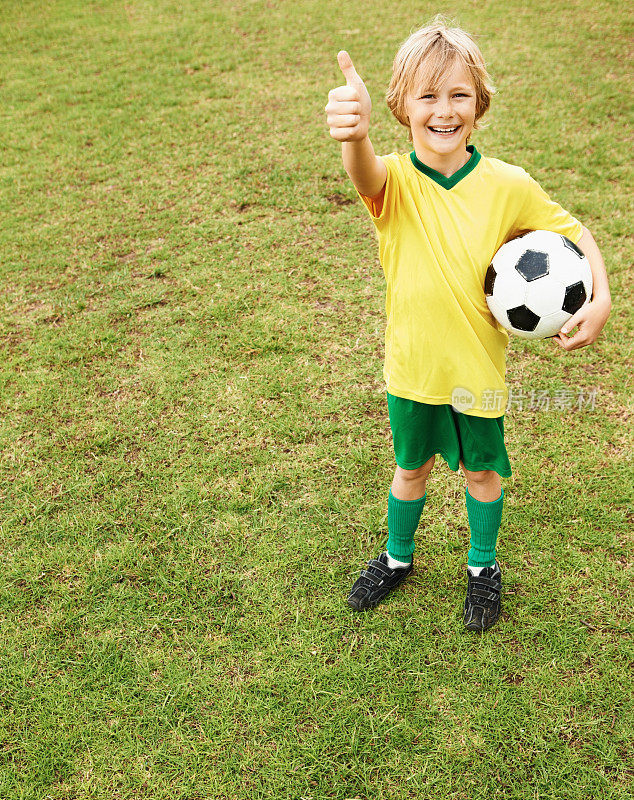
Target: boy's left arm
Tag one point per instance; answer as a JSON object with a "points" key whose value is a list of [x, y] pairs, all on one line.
{"points": [[592, 317]]}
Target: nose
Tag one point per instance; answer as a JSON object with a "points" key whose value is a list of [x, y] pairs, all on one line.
{"points": [[444, 108]]}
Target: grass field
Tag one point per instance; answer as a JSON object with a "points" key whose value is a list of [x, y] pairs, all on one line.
{"points": [[195, 451]]}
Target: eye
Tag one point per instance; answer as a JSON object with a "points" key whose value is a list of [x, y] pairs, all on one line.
{"points": [[427, 97]]}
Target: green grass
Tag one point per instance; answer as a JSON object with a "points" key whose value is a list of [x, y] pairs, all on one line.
{"points": [[195, 451]]}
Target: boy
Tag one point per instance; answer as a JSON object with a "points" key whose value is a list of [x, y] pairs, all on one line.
{"points": [[441, 213]]}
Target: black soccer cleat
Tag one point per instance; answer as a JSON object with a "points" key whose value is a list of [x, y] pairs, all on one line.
{"points": [[483, 601], [375, 582]]}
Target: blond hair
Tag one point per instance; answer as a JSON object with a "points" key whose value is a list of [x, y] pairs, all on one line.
{"points": [[424, 58]]}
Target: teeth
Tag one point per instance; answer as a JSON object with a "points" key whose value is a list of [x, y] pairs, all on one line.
{"points": [[444, 130]]}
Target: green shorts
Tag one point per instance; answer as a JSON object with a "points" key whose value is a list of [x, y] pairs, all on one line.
{"points": [[420, 431]]}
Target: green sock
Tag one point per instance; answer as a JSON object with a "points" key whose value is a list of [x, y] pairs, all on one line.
{"points": [[484, 521], [403, 517]]}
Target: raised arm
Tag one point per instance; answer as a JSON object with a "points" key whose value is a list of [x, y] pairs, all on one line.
{"points": [[348, 117]]}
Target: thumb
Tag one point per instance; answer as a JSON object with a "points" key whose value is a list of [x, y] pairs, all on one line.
{"points": [[575, 320], [347, 67]]}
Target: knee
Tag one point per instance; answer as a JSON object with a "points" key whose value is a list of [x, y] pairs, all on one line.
{"points": [[417, 474], [481, 477], [483, 484]]}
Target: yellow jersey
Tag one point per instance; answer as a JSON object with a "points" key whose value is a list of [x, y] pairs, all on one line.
{"points": [[437, 236]]}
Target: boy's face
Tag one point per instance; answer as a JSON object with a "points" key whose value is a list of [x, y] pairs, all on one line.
{"points": [[442, 119]]}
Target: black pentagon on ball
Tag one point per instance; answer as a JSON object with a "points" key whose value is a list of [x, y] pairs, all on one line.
{"points": [[572, 246], [522, 318], [489, 280], [533, 264], [574, 298]]}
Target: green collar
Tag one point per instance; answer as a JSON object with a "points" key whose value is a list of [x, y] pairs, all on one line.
{"points": [[443, 180]]}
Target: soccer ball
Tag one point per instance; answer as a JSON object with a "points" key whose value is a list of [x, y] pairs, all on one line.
{"points": [[536, 282]]}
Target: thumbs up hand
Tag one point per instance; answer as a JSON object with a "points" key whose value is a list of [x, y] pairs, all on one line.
{"points": [[349, 106]]}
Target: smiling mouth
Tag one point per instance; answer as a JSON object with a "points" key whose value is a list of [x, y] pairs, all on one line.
{"points": [[444, 131]]}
